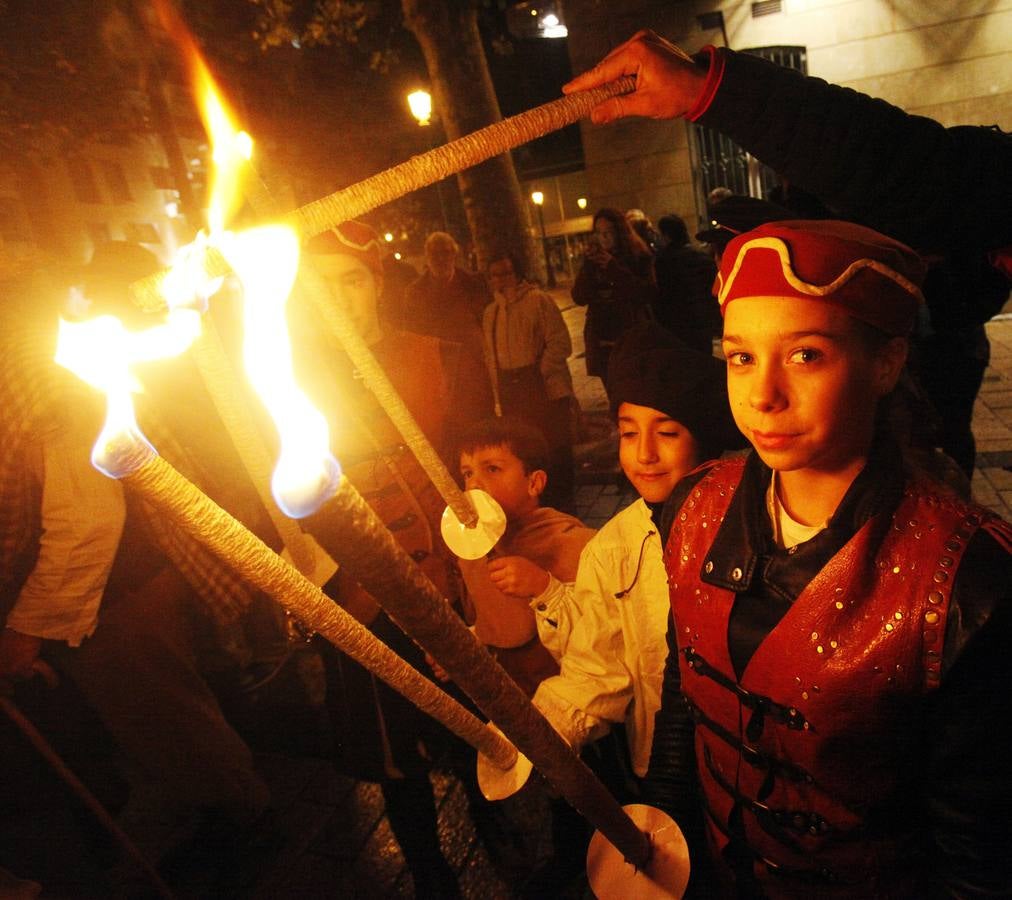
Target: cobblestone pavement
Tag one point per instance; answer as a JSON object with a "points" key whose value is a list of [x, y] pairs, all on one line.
{"points": [[334, 840], [992, 422]]}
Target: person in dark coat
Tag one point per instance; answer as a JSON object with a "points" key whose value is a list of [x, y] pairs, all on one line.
{"points": [[685, 304], [731, 214], [446, 301], [616, 284], [946, 192], [934, 188], [380, 736]]}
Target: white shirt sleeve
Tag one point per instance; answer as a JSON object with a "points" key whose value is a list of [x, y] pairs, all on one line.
{"points": [[594, 686], [83, 512], [554, 615]]}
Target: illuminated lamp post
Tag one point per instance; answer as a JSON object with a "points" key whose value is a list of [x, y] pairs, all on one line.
{"points": [[539, 201]]}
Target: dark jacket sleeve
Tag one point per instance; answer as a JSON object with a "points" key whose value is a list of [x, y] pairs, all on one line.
{"points": [[967, 781], [932, 187], [671, 782], [585, 286]]}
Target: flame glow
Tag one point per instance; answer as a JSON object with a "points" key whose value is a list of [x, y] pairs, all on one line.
{"points": [[266, 260], [232, 149], [100, 352]]}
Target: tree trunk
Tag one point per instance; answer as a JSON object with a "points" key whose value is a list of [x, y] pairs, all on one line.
{"points": [[462, 94]]}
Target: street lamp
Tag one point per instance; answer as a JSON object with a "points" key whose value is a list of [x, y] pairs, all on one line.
{"points": [[539, 201], [581, 202], [420, 104]]}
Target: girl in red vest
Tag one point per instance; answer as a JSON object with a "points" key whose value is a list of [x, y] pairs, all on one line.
{"points": [[838, 656]]}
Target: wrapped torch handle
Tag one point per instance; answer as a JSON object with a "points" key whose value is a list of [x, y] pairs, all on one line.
{"points": [[417, 172]]}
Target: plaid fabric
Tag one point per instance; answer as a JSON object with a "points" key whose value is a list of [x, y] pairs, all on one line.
{"points": [[29, 386], [34, 394]]}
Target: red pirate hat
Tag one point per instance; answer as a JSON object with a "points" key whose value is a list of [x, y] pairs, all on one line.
{"points": [[868, 275], [351, 239]]}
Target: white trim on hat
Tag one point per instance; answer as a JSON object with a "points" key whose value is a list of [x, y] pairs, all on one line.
{"points": [[804, 287]]}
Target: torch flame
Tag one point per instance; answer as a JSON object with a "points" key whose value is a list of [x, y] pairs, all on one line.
{"points": [[232, 149], [266, 260], [100, 352]]}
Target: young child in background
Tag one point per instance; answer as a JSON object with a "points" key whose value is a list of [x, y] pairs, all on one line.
{"points": [[540, 549], [608, 628], [839, 660], [670, 403]]}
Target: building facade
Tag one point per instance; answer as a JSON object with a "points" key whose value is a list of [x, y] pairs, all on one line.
{"points": [[950, 61]]}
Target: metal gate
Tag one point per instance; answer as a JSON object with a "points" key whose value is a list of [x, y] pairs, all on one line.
{"points": [[717, 161]]}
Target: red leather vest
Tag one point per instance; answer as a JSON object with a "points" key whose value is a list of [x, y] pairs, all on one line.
{"points": [[817, 730]]}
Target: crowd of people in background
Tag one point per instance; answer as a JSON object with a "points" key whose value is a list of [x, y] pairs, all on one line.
{"points": [[794, 640]]}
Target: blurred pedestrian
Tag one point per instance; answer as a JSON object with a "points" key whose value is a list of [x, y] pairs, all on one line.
{"points": [[616, 284], [642, 225], [685, 304], [527, 346], [446, 301]]}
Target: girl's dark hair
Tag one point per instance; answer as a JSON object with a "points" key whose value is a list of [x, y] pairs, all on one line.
{"points": [[905, 415], [630, 247], [522, 439], [515, 258]]}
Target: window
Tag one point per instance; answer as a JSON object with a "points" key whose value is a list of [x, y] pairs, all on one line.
{"points": [[765, 8], [83, 180], [141, 233], [719, 162], [116, 181]]}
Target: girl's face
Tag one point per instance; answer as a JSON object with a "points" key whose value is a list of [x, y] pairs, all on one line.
{"points": [[802, 383], [654, 451], [606, 236]]}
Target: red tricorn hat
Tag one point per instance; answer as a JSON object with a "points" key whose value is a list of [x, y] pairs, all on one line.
{"points": [[868, 275], [351, 239]]}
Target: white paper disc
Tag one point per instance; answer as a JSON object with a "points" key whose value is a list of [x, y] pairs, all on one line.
{"points": [[497, 783], [666, 875], [474, 543]]}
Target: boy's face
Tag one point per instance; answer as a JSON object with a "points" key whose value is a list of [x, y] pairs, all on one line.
{"points": [[356, 290], [501, 277], [803, 386], [498, 472], [654, 450]]}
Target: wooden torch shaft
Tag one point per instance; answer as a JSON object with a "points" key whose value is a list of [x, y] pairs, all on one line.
{"points": [[417, 172], [166, 489], [349, 530], [386, 394]]}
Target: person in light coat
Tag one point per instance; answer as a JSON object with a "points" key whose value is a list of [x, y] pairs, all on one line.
{"points": [[527, 345]]}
